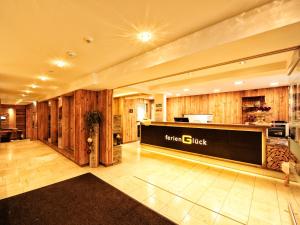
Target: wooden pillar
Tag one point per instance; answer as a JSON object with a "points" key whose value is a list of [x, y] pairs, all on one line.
{"points": [[84, 101], [31, 121], [53, 120], [106, 136], [65, 123], [42, 120]]}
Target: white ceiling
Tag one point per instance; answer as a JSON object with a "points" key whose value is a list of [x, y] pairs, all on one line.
{"points": [[255, 73], [35, 32]]}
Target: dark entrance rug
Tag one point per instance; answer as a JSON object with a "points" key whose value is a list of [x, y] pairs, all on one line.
{"points": [[83, 200]]}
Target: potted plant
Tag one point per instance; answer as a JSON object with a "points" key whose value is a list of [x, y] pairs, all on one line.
{"points": [[93, 120]]}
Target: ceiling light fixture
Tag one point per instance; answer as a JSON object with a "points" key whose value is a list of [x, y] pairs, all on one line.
{"points": [[274, 84], [168, 94], [178, 94], [217, 90], [144, 36], [43, 78], [33, 86], [60, 63], [186, 89], [238, 82], [242, 62], [27, 91]]}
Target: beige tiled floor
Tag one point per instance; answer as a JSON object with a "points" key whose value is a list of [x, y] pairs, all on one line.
{"points": [[188, 193]]}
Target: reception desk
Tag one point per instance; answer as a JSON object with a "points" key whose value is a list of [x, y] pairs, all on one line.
{"points": [[237, 142]]}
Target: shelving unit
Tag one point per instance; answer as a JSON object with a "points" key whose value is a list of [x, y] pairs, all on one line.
{"points": [[250, 106]]}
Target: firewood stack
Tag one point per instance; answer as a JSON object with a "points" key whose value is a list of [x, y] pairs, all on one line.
{"points": [[278, 153]]}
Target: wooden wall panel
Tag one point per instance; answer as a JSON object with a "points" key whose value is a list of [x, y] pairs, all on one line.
{"points": [[42, 120], [105, 106], [227, 107], [72, 123], [54, 121], [16, 117], [123, 106]]}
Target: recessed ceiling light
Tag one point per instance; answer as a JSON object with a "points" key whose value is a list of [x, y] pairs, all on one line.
{"points": [[242, 62], [43, 78], [238, 82], [60, 63], [216, 90], [186, 89], [178, 94], [27, 91], [274, 84], [144, 36], [168, 93], [23, 95], [33, 86]]}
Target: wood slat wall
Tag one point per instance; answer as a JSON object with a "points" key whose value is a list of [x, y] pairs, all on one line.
{"points": [[17, 119], [227, 107], [121, 106]]}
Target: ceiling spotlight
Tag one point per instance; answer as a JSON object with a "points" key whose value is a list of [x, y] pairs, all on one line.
{"points": [[33, 86], [274, 84], [238, 82], [186, 89], [60, 63], [43, 78], [242, 62], [144, 36], [23, 95], [27, 91], [217, 90]]}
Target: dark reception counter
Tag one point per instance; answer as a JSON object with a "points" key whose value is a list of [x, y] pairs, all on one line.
{"points": [[238, 142]]}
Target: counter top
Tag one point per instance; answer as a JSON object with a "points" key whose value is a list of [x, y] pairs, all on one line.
{"points": [[213, 125]]}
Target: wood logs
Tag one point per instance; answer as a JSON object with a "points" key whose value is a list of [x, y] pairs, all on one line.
{"points": [[278, 153]]}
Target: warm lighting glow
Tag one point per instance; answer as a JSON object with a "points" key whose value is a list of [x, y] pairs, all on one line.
{"points": [[144, 36], [23, 95], [238, 82], [186, 89], [34, 103], [168, 94], [60, 63], [274, 84], [27, 91], [178, 94], [33, 86], [43, 78], [242, 62], [151, 97], [217, 90]]}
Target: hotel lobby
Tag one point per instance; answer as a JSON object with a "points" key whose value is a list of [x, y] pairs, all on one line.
{"points": [[150, 112]]}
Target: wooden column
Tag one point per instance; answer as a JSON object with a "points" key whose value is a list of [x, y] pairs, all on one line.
{"points": [[31, 121], [106, 136], [65, 123], [84, 101], [53, 120], [42, 119]]}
